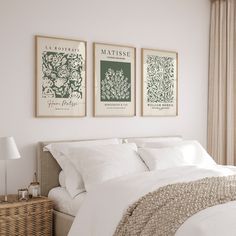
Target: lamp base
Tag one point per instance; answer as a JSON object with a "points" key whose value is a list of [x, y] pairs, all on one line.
{"points": [[5, 196]]}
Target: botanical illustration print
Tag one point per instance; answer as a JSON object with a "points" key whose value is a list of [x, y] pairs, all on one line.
{"points": [[62, 75], [115, 81], [160, 79]]}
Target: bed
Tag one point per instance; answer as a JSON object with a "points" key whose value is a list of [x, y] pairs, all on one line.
{"points": [[48, 171], [104, 210]]}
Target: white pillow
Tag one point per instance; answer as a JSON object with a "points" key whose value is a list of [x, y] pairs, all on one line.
{"points": [[73, 179], [154, 142], [185, 153], [101, 163], [160, 144], [62, 179]]}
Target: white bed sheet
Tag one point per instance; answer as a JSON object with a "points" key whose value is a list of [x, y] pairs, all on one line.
{"points": [[64, 203], [105, 205]]}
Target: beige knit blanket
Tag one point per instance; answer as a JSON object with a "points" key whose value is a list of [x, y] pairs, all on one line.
{"points": [[163, 211]]}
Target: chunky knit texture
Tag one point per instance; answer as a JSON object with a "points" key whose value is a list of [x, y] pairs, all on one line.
{"points": [[163, 211]]}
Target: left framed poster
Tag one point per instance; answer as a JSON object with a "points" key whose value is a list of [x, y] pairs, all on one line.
{"points": [[60, 77], [114, 80]]}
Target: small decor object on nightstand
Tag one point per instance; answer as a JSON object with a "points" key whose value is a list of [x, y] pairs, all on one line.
{"points": [[23, 194], [8, 151], [34, 187]]}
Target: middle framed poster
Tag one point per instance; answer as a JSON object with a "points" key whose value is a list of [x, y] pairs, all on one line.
{"points": [[114, 80]]}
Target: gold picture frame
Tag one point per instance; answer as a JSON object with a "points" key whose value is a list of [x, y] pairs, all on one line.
{"points": [[114, 88], [159, 82], [61, 71]]}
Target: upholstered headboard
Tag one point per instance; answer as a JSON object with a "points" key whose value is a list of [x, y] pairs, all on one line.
{"points": [[48, 169]]}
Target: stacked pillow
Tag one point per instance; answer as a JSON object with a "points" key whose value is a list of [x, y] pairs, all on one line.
{"points": [[101, 163], [183, 153], [86, 164], [156, 141], [62, 179], [60, 151]]}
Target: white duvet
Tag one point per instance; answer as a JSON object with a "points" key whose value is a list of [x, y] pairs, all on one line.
{"points": [[105, 205]]}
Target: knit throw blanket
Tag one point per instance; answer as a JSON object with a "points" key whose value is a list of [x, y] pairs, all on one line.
{"points": [[163, 211]]}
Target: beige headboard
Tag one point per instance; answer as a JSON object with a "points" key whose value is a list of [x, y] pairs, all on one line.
{"points": [[48, 169]]}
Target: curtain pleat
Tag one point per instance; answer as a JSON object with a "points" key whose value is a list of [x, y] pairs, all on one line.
{"points": [[222, 82]]}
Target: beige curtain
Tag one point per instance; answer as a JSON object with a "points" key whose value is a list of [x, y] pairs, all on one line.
{"points": [[222, 82]]}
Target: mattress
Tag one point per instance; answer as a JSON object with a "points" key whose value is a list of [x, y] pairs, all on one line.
{"points": [[63, 201]]}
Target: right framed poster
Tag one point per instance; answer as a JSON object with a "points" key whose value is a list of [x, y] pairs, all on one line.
{"points": [[159, 83]]}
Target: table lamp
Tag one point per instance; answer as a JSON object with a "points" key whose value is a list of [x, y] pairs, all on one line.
{"points": [[8, 151]]}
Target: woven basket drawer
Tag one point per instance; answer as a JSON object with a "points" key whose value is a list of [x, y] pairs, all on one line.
{"points": [[26, 219]]}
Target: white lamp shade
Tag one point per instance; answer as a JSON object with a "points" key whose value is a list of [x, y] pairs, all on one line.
{"points": [[8, 149]]}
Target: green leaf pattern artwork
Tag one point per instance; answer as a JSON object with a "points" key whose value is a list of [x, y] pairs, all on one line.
{"points": [[115, 81], [160, 79], [62, 75]]}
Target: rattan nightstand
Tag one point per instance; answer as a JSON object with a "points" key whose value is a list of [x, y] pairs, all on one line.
{"points": [[28, 218]]}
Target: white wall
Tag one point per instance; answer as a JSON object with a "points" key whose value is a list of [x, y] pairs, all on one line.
{"points": [[179, 25]]}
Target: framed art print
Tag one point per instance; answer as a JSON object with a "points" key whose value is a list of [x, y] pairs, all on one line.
{"points": [[159, 83], [60, 77], [114, 80]]}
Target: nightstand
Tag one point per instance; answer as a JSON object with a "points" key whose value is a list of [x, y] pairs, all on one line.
{"points": [[26, 218]]}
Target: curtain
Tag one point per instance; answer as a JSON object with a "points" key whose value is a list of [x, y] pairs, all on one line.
{"points": [[222, 82]]}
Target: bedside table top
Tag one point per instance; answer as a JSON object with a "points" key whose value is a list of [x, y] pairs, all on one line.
{"points": [[14, 202]]}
